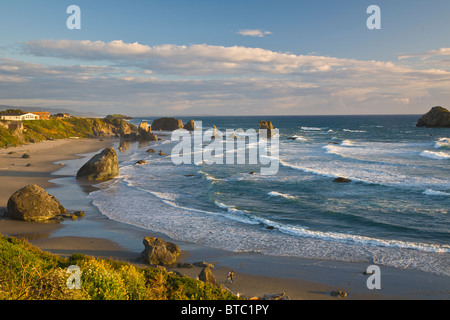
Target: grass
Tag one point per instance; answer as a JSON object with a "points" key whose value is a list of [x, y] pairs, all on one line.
{"points": [[40, 130], [28, 273]]}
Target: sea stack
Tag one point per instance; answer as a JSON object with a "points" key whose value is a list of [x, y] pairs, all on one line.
{"points": [[266, 125], [190, 125], [102, 166], [437, 117], [167, 124]]}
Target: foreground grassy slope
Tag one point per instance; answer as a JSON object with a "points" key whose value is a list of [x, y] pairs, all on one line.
{"points": [[27, 273]]}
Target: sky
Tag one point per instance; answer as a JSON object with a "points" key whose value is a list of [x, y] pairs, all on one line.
{"points": [[209, 57]]}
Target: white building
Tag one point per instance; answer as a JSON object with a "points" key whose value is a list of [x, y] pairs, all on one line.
{"points": [[19, 116]]}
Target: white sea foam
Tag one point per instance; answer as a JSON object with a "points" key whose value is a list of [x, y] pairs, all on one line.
{"points": [[348, 143], [311, 129], [443, 143], [299, 138], [283, 195], [435, 155], [357, 131], [431, 192]]}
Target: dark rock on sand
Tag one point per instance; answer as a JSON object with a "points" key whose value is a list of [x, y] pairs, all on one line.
{"points": [[342, 180], [26, 156], [203, 264], [33, 203], [151, 151], [437, 117], [102, 166], [339, 293], [167, 124], [159, 252], [141, 162], [207, 276]]}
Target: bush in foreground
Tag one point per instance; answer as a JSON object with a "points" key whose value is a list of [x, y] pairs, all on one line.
{"points": [[28, 273]]}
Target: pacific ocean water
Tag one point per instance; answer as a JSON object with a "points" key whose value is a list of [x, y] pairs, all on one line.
{"points": [[394, 212]]}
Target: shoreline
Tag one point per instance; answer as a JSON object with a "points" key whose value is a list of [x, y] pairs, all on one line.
{"points": [[96, 235]]}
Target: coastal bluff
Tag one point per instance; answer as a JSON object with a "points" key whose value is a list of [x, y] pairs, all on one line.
{"points": [[437, 117]]}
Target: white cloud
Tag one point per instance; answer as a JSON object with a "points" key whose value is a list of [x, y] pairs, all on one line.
{"points": [[207, 79], [426, 55], [254, 33]]}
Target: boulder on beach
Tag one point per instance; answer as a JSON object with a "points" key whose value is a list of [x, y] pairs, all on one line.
{"points": [[33, 203], [438, 117], [266, 125], [102, 166], [207, 277], [167, 124], [159, 252]]}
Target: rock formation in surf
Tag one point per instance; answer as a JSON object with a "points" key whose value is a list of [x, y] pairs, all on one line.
{"points": [[102, 166], [167, 124], [438, 117]]}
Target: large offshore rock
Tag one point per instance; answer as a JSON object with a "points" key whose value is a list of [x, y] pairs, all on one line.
{"points": [[437, 117], [167, 124], [102, 166]]}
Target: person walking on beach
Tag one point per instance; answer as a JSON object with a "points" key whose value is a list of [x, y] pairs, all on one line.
{"points": [[230, 277]]}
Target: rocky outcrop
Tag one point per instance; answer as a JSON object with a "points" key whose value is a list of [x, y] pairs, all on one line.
{"points": [[145, 133], [341, 180], [438, 117], [159, 252], [207, 277], [102, 166], [167, 124], [190, 125], [33, 203], [266, 125]]}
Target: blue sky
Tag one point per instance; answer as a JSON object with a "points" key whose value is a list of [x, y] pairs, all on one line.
{"points": [[226, 57]]}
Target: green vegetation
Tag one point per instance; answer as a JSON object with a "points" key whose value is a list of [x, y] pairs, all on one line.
{"points": [[10, 111], [40, 130], [27, 273], [118, 116]]}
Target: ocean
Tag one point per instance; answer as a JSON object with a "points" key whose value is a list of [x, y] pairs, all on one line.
{"points": [[394, 212]]}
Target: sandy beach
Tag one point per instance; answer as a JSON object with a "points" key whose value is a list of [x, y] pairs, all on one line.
{"points": [[53, 164]]}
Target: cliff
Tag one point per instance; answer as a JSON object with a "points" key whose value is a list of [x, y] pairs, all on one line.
{"points": [[17, 133]]}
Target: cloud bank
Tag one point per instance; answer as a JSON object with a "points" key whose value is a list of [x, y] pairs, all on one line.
{"points": [[208, 79], [254, 33]]}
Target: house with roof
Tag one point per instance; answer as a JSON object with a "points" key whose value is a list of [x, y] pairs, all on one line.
{"points": [[19, 116], [43, 115]]}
